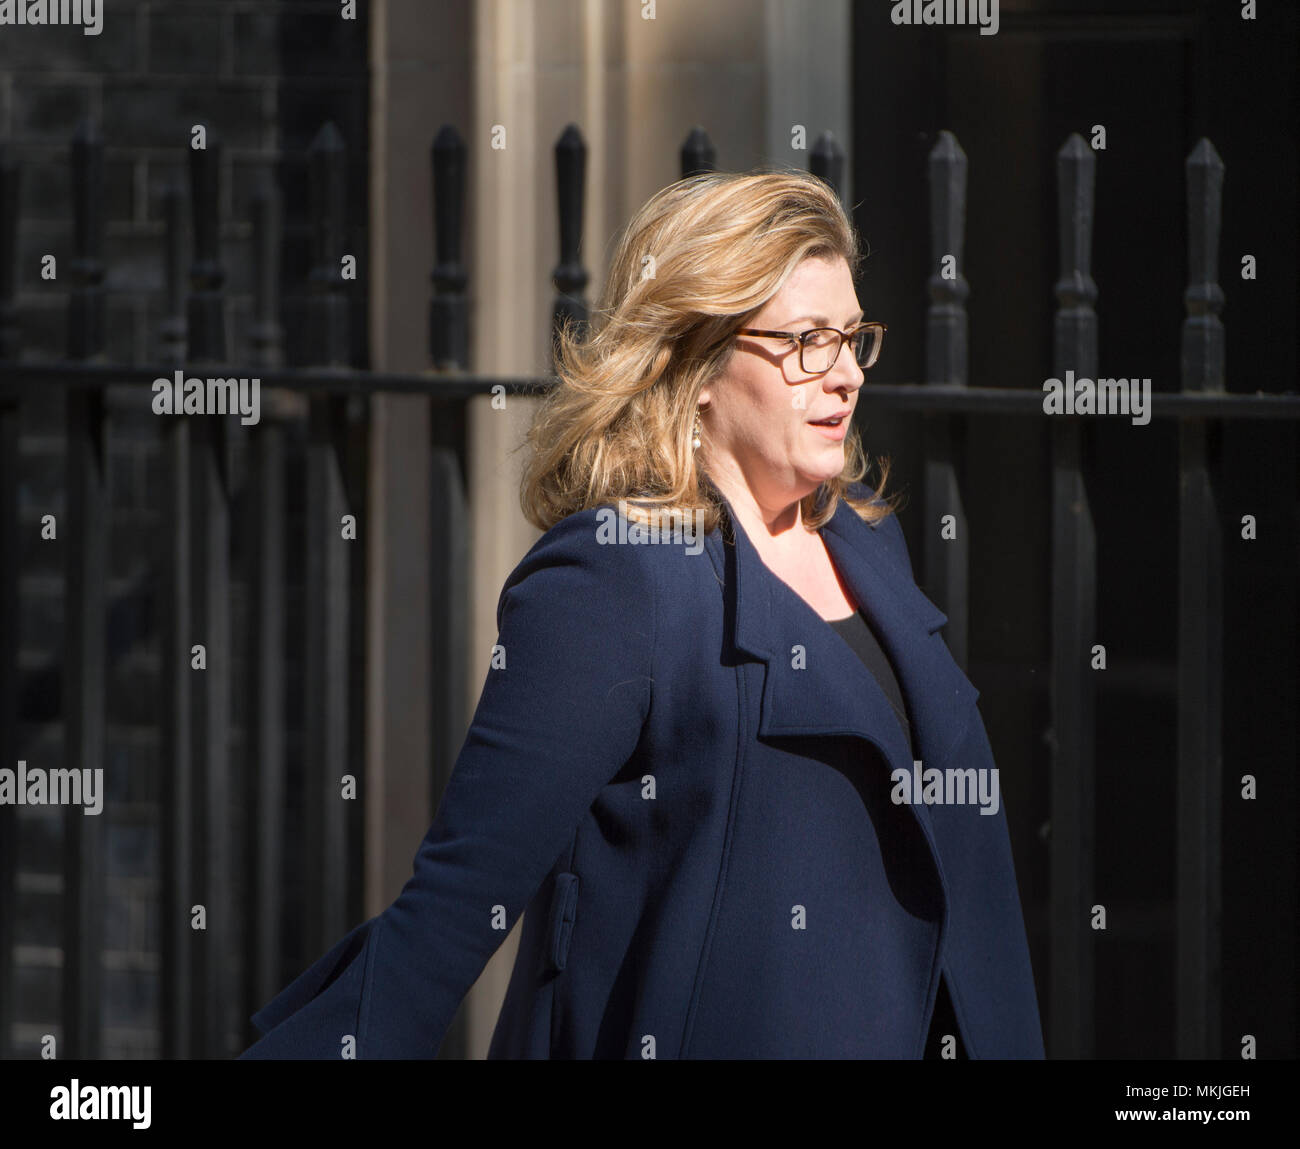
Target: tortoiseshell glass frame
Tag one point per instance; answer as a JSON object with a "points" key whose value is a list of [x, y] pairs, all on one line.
{"points": [[875, 330]]}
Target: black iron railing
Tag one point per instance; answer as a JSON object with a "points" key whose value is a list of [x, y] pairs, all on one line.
{"points": [[224, 521]]}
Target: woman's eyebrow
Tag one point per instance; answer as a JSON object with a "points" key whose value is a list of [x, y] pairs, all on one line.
{"points": [[822, 321]]}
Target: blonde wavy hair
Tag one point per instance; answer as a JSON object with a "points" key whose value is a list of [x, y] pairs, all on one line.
{"points": [[697, 262]]}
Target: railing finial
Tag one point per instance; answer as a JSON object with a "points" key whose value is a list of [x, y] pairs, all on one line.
{"points": [[331, 344], [698, 155], [1203, 367], [449, 307], [10, 188], [86, 303], [570, 277], [946, 322], [206, 312], [1075, 329], [826, 162]]}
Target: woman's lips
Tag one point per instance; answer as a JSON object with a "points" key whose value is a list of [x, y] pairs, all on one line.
{"points": [[833, 431]]}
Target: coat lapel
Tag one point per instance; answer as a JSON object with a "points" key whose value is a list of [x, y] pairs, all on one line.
{"points": [[833, 693]]}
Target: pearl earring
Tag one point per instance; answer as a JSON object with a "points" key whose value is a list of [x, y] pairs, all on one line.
{"points": [[697, 431]]}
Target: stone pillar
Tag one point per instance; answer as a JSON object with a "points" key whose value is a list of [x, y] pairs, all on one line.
{"points": [[419, 78], [507, 287], [807, 79]]}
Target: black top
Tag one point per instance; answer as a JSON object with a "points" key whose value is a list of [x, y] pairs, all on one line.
{"points": [[862, 639]]}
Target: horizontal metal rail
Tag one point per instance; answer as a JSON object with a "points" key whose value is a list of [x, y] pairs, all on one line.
{"points": [[939, 398]]}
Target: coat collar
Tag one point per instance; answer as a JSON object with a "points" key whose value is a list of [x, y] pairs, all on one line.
{"points": [[833, 693]]}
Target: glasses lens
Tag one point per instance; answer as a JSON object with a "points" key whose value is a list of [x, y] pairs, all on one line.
{"points": [[866, 345], [820, 348]]}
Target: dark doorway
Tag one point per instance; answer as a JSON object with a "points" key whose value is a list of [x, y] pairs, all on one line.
{"points": [[1156, 75]]}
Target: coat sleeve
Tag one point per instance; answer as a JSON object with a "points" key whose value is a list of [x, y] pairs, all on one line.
{"points": [[553, 725]]}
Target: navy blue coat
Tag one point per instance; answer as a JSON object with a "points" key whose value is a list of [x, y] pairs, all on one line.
{"points": [[684, 775]]}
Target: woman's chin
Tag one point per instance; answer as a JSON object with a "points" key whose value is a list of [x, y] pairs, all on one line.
{"points": [[826, 467], [814, 477]]}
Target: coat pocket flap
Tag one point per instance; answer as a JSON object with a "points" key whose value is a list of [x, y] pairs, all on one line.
{"points": [[564, 902]]}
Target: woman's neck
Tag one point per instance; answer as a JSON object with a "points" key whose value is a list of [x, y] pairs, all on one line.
{"points": [[773, 530]]}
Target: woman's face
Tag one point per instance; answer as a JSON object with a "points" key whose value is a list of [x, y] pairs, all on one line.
{"points": [[760, 412]]}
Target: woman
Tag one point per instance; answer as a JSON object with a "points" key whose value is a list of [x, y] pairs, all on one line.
{"points": [[704, 796]]}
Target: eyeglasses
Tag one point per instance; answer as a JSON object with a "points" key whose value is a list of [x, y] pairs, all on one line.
{"points": [[819, 349]]}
